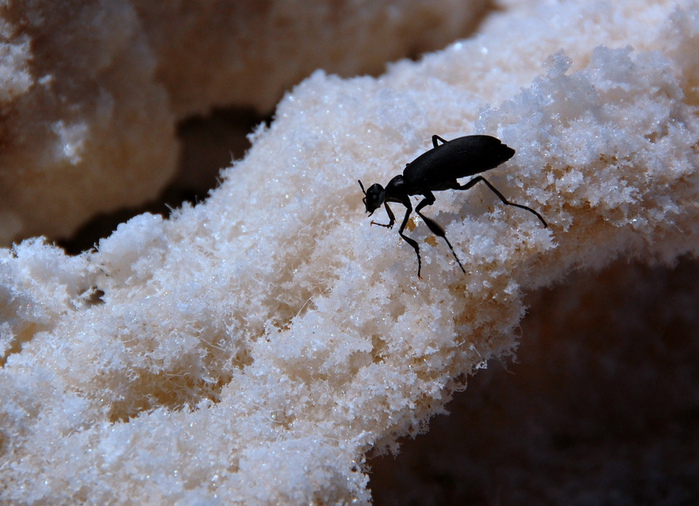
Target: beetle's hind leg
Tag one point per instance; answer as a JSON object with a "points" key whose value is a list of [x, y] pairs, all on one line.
{"points": [[436, 138], [478, 179], [435, 227]]}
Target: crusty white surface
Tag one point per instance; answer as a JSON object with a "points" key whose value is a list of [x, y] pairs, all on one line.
{"points": [[254, 347]]}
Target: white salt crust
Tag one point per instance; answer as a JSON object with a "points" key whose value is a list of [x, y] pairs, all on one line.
{"points": [[253, 348]]}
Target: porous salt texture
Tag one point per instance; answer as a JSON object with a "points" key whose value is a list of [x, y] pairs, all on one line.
{"points": [[252, 348]]}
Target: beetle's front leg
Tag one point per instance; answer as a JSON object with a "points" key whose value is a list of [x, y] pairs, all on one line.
{"points": [[391, 218]]}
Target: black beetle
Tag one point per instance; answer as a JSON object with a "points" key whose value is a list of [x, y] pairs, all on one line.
{"points": [[436, 170]]}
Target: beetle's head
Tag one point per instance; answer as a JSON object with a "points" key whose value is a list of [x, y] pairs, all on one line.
{"points": [[373, 197]]}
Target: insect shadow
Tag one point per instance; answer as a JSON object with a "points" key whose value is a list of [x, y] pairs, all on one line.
{"points": [[437, 170]]}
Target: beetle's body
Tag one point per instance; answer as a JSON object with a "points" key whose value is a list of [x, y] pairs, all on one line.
{"points": [[436, 170], [440, 167]]}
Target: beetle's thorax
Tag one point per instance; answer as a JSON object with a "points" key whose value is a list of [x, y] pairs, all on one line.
{"points": [[395, 189]]}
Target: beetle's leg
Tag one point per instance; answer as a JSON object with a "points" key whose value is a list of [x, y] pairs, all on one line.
{"points": [[391, 218], [412, 242], [436, 138], [478, 179], [434, 226]]}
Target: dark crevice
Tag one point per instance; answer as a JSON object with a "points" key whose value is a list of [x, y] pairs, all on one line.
{"points": [[207, 145]]}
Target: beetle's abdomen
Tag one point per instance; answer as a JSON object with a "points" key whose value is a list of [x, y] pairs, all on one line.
{"points": [[461, 157], [471, 155]]}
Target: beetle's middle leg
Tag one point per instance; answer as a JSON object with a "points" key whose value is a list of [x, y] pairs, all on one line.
{"points": [[412, 242], [436, 227]]}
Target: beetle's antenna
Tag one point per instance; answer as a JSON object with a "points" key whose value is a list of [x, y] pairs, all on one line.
{"points": [[362, 187]]}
